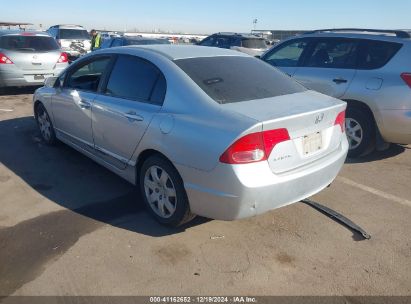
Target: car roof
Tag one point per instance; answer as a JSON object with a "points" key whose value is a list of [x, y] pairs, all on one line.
{"points": [[174, 52], [68, 26], [20, 32], [355, 34]]}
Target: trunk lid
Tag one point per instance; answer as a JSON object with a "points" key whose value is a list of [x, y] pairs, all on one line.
{"points": [[33, 61], [309, 118]]}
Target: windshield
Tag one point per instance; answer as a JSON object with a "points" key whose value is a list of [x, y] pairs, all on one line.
{"points": [[254, 43], [73, 34], [228, 79], [28, 43]]}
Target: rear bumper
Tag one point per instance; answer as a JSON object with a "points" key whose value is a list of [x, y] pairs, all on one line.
{"points": [[395, 126], [14, 77], [235, 192]]}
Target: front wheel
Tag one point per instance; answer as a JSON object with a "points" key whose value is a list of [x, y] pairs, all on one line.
{"points": [[360, 129], [163, 192], [45, 125]]}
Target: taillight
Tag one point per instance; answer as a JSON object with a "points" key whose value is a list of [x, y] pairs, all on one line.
{"points": [[254, 147], [407, 78], [4, 59], [340, 120], [63, 58]]}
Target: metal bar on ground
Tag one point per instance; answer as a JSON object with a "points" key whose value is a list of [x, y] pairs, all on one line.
{"points": [[337, 216]]}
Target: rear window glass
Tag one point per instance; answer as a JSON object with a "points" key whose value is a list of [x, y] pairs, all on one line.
{"points": [[136, 79], [376, 54], [28, 43], [73, 34], [229, 79], [254, 43]]}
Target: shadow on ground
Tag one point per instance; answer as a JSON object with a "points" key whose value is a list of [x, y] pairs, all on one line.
{"points": [[392, 151], [17, 90], [75, 182], [90, 195]]}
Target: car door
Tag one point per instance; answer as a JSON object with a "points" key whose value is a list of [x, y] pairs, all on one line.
{"points": [[288, 56], [72, 103], [330, 66], [133, 94]]}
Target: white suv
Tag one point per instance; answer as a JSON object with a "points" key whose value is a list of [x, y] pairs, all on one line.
{"points": [[369, 69], [73, 39]]}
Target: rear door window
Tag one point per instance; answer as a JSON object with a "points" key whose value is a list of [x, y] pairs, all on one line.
{"points": [[287, 55], [229, 79], [376, 54], [28, 43], [334, 53], [136, 79]]}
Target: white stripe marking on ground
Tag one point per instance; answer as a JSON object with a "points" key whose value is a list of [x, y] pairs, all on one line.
{"points": [[374, 191], [6, 110]]}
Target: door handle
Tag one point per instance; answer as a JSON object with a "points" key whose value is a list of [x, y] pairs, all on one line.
{"points": [[340, 80], [84, 105], [131, 115]]}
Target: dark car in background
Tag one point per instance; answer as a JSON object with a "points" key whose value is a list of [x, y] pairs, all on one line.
{"points": [[125, 41], [250, 44]]}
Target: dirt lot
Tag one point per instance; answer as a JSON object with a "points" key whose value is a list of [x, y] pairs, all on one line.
{"points": [[70, 227]]}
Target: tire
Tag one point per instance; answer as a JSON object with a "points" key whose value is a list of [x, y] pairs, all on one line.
{"points": [[45, 125], [163, 192], [360, 129]]}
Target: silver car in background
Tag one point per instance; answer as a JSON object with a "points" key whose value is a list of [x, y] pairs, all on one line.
{"points": [[200, 130], [28, 58], [368, 68]]}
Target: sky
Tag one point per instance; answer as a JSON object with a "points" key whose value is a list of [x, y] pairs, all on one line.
{"points": [[194, 16]]}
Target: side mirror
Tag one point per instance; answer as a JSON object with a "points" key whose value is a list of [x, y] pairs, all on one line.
{"points": [[258, 56], [50, 81]]}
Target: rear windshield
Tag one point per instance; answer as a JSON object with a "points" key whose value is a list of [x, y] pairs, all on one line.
{"points": [[254, 43], [229, 79], [73, 34], [28, 43]]}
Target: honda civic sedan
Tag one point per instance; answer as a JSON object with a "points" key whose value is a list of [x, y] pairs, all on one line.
{"points": [[201, 131]]}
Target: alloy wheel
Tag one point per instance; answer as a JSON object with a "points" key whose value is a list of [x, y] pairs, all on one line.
{"points": [[160, 192], [44, 124], [355, 133]]}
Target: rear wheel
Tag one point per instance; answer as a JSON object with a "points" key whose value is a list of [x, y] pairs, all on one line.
{"points": [[360, 129], [163, 192], [45, 125]]}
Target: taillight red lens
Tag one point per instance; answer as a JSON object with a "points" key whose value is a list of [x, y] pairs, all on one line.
{"points": [[4, 59], [340, 120], [407, 78], [254, 147], [63, 58]]}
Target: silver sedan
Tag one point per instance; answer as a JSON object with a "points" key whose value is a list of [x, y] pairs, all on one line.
{"points": [[202, 131]]}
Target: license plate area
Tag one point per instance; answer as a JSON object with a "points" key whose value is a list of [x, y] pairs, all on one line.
{"points": [[38, 77], [312, 143]]}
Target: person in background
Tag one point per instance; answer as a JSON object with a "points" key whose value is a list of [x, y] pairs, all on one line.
{"points": [[96, 40]]}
